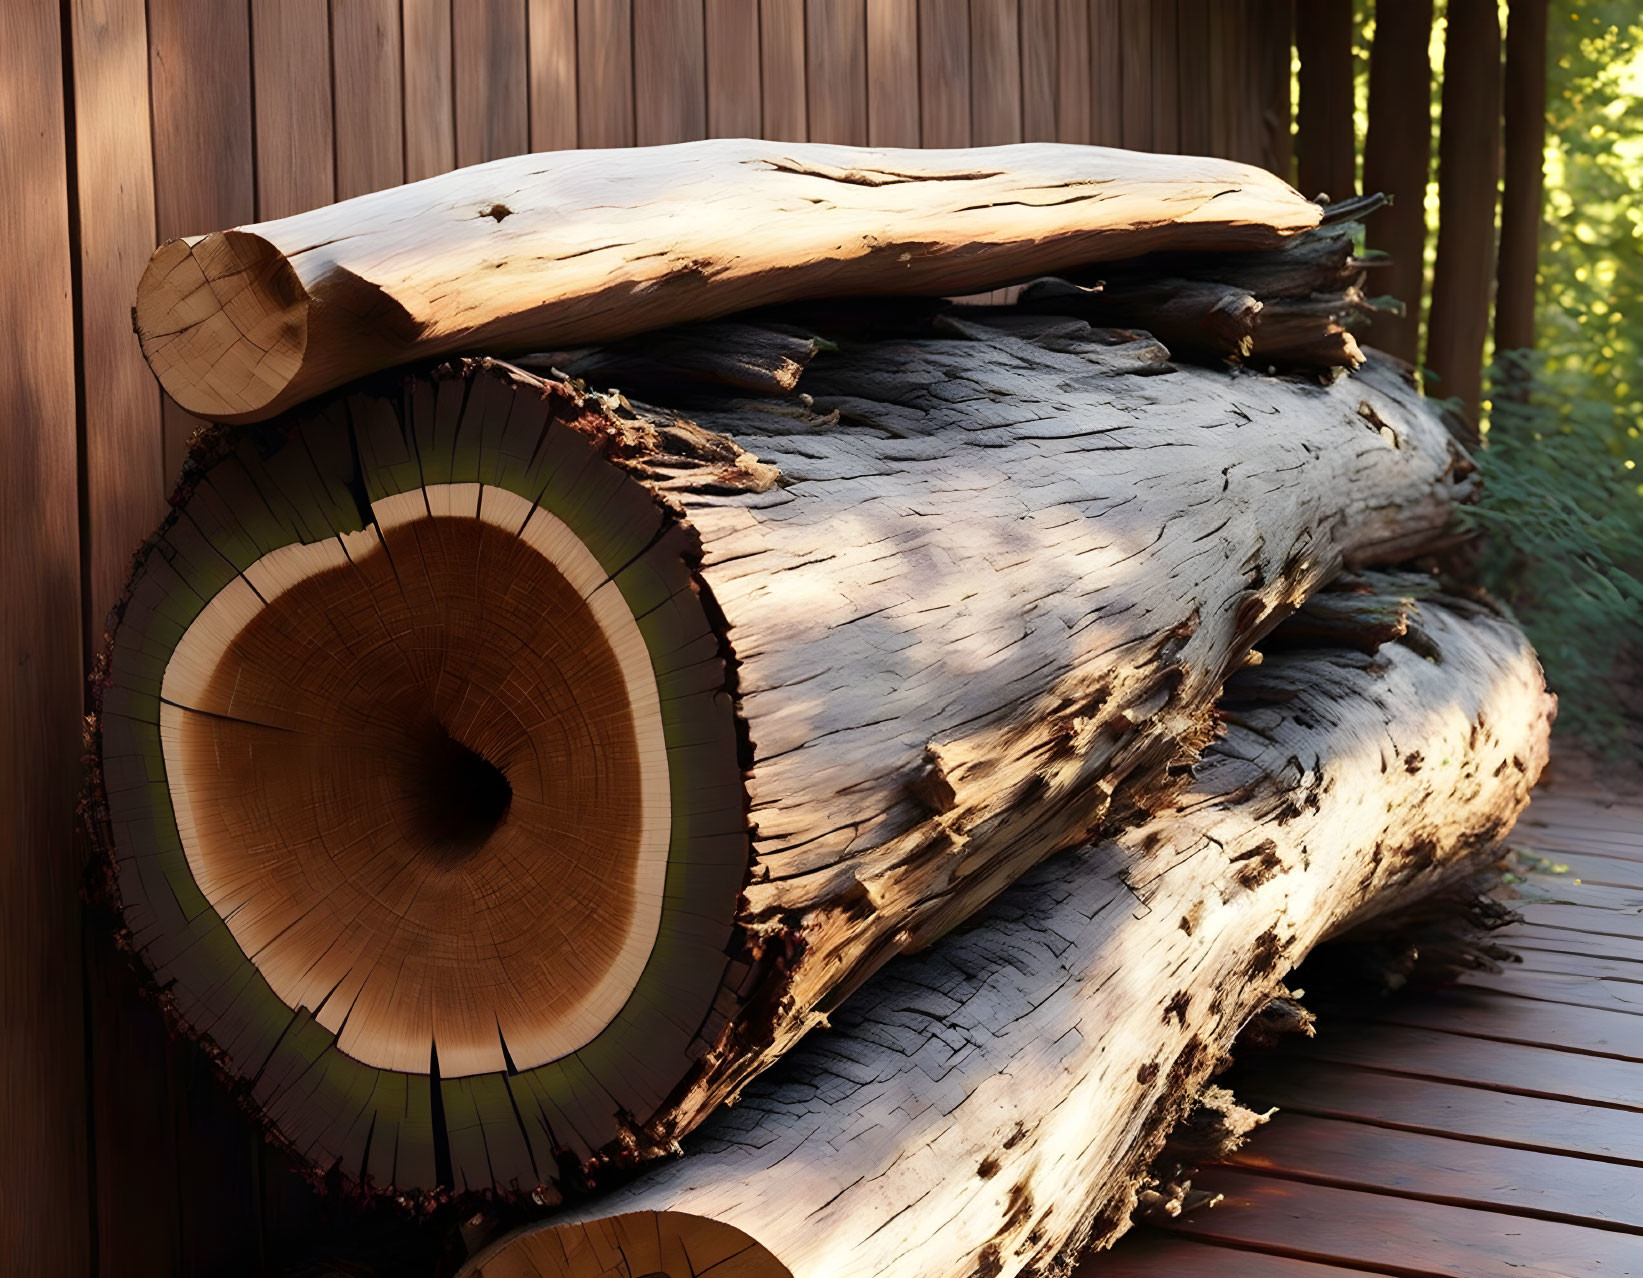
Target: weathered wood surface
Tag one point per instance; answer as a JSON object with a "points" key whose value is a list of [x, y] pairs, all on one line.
{"points": [[42, 1061], [982, 1106], [588, 246], [1289, 308], [976, 599], [1492, 1157], [1078, 666]]}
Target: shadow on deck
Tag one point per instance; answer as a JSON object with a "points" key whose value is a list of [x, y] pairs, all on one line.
{"points": [[1490, 1131]]}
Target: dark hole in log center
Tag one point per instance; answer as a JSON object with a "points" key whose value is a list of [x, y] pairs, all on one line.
{"points": [[457, 796]]}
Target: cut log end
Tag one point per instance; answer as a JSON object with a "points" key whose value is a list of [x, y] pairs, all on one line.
{"points": [[383, 747], [640, 1244], [421, 780], [223, 322]]}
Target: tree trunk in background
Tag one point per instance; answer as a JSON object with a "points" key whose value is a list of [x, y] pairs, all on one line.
{"points": [[984, 1107], [1326, 145], [1468, 175], [1397, 159], [1520, 206]]}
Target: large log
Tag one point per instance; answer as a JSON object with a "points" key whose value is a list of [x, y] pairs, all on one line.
{"points": [[498, 777], [582, 246], [995, 1102]]}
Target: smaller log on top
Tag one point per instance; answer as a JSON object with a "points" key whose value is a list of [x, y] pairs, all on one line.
{"points": [[572, 247], [422, 780], [990, 1104]]}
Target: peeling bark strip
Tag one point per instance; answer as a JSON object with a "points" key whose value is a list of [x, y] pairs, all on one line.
{"points": [[986, 1106], [464, 866], [586, 246]]}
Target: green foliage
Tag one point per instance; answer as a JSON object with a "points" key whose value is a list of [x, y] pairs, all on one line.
{"points": [[1564, 536], [1562, 507], [1591, 315]]}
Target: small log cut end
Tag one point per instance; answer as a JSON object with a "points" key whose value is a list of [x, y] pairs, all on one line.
{"points": [[420, 781]]}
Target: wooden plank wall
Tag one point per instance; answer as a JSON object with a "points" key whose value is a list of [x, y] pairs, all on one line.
{"points": [[131, 121]]}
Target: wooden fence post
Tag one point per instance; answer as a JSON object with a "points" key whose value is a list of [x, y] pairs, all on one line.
{"points": [[1397, 160], [1468, 175], [1326, 145]]}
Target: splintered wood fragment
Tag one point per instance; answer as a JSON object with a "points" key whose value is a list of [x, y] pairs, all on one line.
{"points": [[1291, 307], [570, 247], [499, 776], [993, 1103]]}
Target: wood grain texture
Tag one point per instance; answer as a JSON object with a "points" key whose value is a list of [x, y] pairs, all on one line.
{"points": [[734, 107], [1040, 71], [1147, 1253], [892, 73], [782, 69], [1531, 1070], [1579, 1191], [1399, 1235], [1107, 73], [944, 72], [490, 74], [995, 72], [521, 254], [124, 450], [1074, 74], [1397, 159], [430, 123], [200, 104], [985, 1101], [1468, 178], [472, 1090], [669, 71], [295, 161], [1193, 55], [1444, 1109], [835, 780], [604, 73], [1135, 44], [1325, 141], [1272, 25], [835, 71], [552, 40], [1165, 78], [366, 43], [46, 1227], [1505, 1020], [136, 1183]]}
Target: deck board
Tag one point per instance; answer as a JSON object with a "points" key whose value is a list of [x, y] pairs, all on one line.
{"points": [[1402, 1235], [1493, 1130], [1464, 1173]]}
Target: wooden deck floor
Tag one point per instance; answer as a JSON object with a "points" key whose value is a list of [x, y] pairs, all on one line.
{"points": [[1495, 1131]]}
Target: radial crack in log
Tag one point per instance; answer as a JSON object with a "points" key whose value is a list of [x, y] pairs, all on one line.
{"points": [[421, 769], [993, 1103], [597, 245]]}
